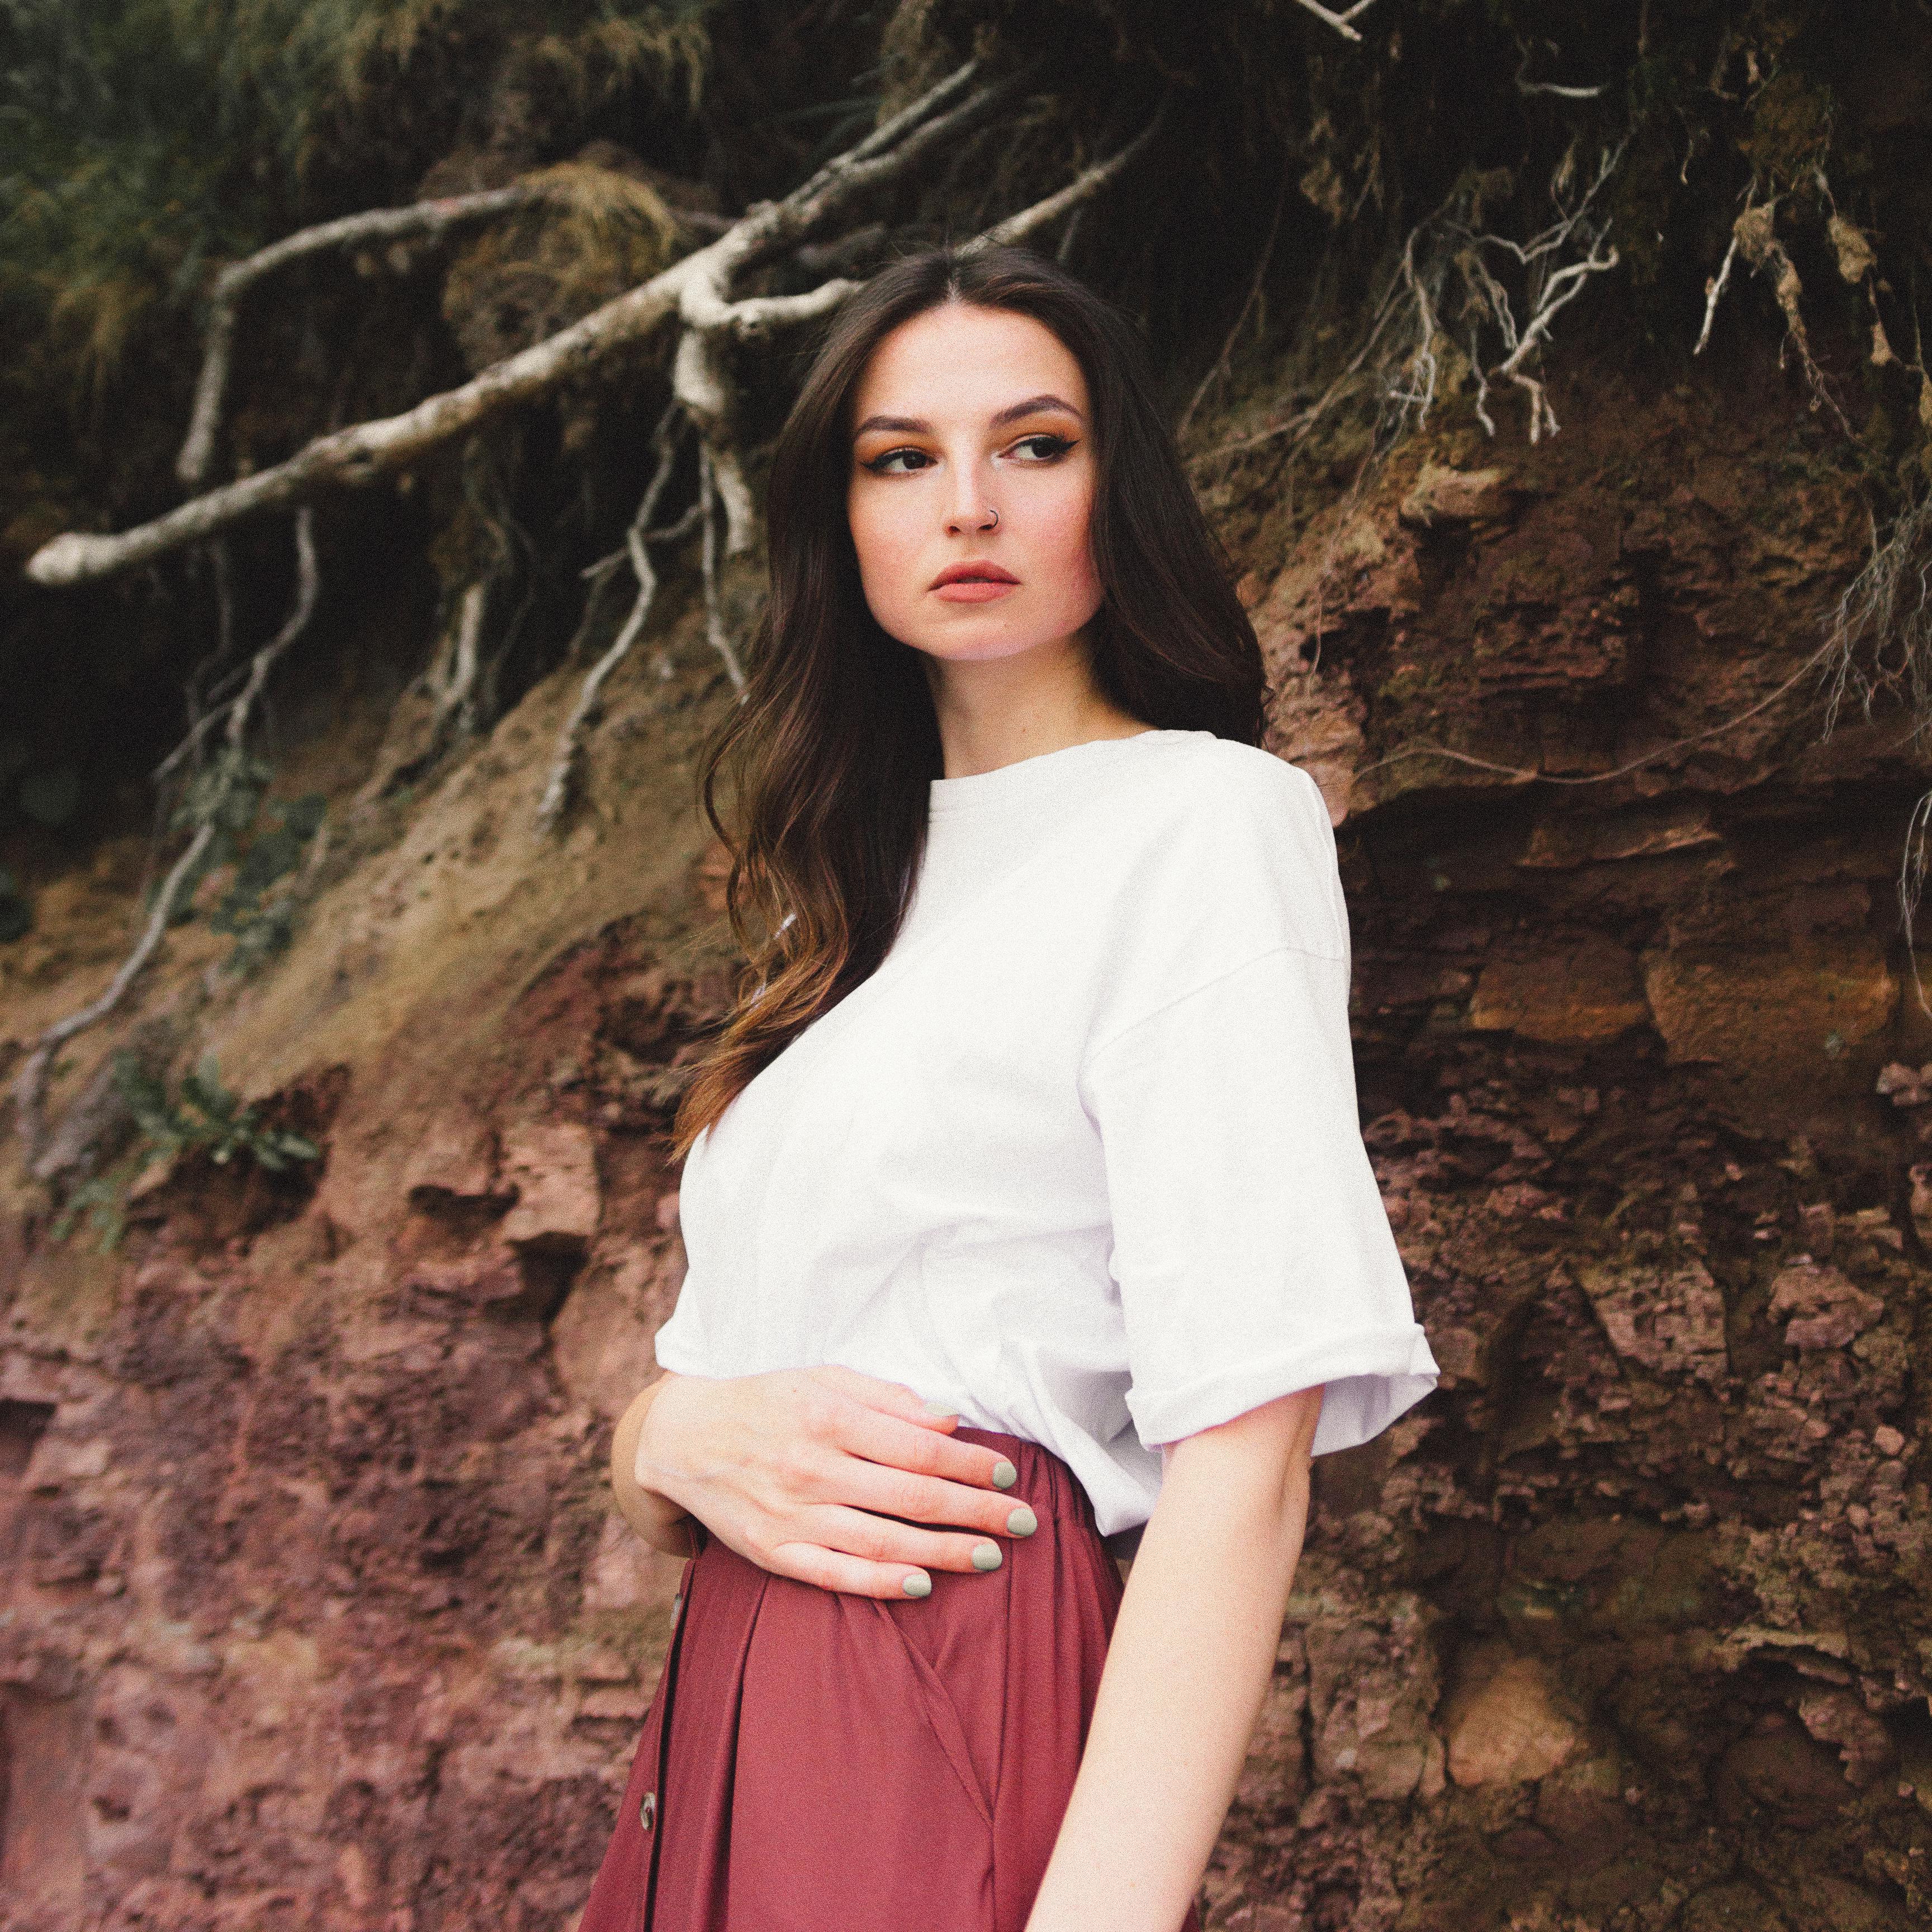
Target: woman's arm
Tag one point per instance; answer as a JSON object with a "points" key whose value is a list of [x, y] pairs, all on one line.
{"points": [[1190, 1661], [659, 1521], [800, 1472]]}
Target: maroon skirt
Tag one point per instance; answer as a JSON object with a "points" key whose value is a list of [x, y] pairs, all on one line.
{"points": [[816, 1762]]}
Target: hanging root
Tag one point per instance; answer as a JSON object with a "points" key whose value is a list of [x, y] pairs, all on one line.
{"points": [[637, 540], [30, 1092], [452, 677], [1715, 285], [1754, 236], [1445, 275], [1880, 637], [715, 632]]}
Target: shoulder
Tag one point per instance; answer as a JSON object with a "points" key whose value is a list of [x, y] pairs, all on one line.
{"points": [[1230, 830], [1219, 775]]}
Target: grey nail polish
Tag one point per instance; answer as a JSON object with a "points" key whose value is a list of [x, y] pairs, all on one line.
{"points": [[939, 1408], [986, 1556], [917, 1583], [1022, 1521], [1004, 1475]]}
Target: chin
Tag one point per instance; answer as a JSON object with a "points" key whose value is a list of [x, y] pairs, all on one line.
{"points": [[982, 642], [977, 650]]}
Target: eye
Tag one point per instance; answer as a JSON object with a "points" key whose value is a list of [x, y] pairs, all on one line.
{"points": [[1045, 447], [884, 464]]}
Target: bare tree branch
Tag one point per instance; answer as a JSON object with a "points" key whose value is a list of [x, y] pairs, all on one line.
{"points": [[430, 219], [30, 1091]]}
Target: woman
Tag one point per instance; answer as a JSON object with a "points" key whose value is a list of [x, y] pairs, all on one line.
{"points": [[1024, 1199]]}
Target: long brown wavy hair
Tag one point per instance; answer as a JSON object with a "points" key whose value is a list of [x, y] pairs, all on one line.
{"points": [[826, 760]]}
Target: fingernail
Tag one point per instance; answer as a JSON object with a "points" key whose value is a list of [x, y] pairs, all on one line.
{"points": [[916, 1583], [986, 1556], [1022, 1521], [938, 1408], [1004, 1475]]}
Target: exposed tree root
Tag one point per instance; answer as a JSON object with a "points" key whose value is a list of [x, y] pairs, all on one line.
{"points": [[1754, 236], [694, 288], [1526, 775], [1880, 648], [1339, 21], [427, 220], [637, 540], [453, 676], [715, 634], [1557, 264], [1408, 350], [30, 1091]]}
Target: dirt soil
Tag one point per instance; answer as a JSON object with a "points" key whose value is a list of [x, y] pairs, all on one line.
{"points": [[312, 1611]]}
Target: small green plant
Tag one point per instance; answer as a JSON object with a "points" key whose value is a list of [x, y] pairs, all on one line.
{"points": [[201, 1115], [228, 796], [262, 924]]}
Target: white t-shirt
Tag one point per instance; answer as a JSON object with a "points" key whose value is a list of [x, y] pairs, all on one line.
{"points": [[1082, 1157]]}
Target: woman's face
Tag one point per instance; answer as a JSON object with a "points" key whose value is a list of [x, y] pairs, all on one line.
{"points": [[963, 413]]}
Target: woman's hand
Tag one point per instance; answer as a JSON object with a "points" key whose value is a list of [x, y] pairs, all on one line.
{"points": [[800, 1471]]}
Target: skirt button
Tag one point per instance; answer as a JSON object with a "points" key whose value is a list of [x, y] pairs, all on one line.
{"points": [[647, 1812]]}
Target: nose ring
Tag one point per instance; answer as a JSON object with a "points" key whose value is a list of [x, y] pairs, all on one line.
{"points": [[994, 524]]}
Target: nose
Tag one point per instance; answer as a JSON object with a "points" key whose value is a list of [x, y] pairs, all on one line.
{"points": [[969, 507]]}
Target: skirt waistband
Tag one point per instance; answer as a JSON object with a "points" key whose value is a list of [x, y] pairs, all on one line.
{"points": [[1046, 1484]]}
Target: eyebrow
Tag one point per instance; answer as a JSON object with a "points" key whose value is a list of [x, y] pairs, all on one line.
{"points": [[918, 426]]}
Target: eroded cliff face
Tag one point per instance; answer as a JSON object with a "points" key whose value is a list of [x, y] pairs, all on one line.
{"points": [[313, 1613]]}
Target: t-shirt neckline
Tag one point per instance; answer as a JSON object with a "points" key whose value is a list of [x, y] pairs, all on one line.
{"points": [[1027, 777]]}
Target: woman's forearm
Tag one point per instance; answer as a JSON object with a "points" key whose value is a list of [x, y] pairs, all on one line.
{"points": [[1188, 1665], [662, 1523]]}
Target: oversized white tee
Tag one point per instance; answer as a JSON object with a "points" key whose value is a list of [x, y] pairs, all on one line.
{"points": [[1080, 1159]]}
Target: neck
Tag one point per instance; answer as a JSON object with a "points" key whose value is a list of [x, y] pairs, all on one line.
{"points": [[996, 711]]}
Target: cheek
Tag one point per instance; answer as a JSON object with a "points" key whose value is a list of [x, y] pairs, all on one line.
{"points": [[1066, 539], [886, 545]]}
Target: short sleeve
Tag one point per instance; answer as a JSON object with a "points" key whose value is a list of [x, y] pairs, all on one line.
{"points": [[679, 1343], [1251, 1249]]}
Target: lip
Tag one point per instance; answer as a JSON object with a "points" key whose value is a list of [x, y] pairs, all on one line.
{"points": [[972, 584]]}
